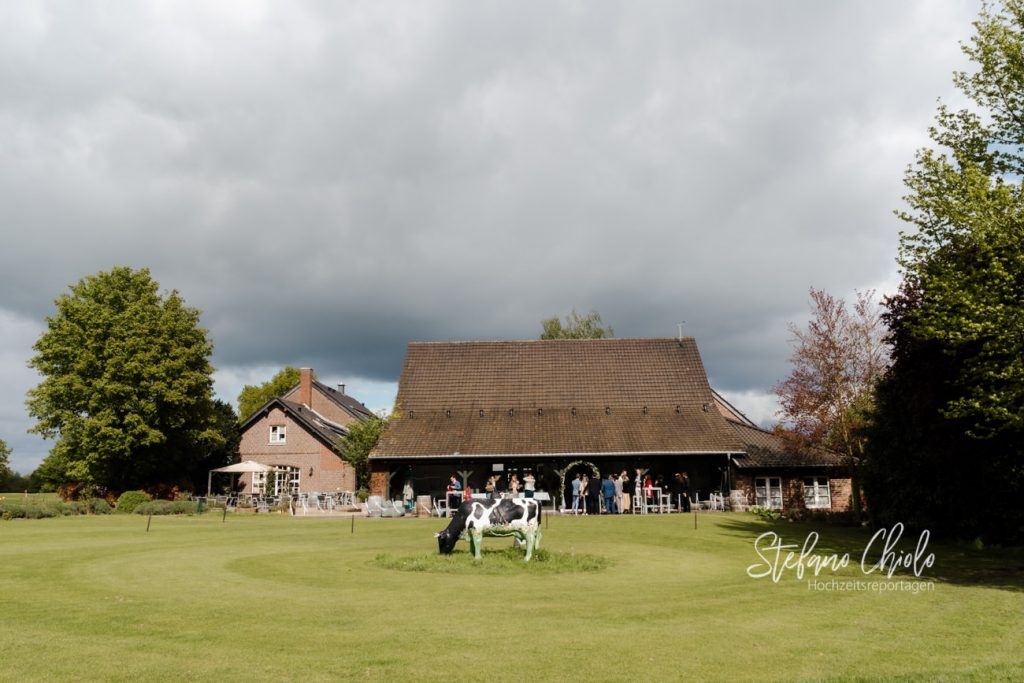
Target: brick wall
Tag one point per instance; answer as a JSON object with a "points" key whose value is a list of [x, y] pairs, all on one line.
{"points": [[792, 489], [320, 468], [378, 481]]}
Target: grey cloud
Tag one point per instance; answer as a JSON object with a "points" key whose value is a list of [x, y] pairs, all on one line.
{"points": [[329, 181]]}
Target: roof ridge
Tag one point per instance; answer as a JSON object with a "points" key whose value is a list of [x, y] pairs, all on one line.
{"points": [[438, 342]]}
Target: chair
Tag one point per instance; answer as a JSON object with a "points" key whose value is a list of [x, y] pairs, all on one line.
{"points": [[441, 507], [392, 508], [374, 506]]}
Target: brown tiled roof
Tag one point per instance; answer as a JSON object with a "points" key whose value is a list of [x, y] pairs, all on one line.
{"points": [[729, 411], [765, 449], [321, 428], [461, 399], [353, 407]]}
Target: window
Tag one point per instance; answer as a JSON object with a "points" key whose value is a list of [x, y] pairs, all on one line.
{"points": [[277, 434], [280, 480], [816, 493], [768, 492], [287, 480]]}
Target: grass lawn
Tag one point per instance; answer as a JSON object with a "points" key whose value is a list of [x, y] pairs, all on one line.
{"points": [[272, 597]]}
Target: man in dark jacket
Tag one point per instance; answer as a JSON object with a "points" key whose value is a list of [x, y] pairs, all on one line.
{"points": [[594, 494], [608, 491], [684, 492]]}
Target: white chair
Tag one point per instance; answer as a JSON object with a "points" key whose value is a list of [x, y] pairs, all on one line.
{"points": [[392, 508], [441, 507], [374, 506]]}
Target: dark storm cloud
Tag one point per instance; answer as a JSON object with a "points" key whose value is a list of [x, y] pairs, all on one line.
{"points": [[330, 181]]}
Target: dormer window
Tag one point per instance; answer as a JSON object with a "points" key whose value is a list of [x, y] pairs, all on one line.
{"points": [[276, 433]]}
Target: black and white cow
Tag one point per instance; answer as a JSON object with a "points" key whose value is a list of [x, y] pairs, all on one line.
{"points": [[506, 517]]}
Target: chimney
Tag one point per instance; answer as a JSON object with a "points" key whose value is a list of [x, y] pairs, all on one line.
{"points": [[341, 388], [306, 387]]}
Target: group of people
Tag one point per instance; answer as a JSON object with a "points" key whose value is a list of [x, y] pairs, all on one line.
{"points": [[528, 485], [612, 496]]}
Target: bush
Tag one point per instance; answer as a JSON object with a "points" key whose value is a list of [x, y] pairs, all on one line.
{"points": [[98, 506], [34, 508], [130, 500], [766, 514], [167, 507]]}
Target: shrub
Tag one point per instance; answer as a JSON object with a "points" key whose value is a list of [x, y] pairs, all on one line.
{"points": [[130, 500], [166, 507], [19, 508], [764, 513], [98, 506]]}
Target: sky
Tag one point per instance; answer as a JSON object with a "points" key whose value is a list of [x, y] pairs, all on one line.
{"points": [[329, 181]]}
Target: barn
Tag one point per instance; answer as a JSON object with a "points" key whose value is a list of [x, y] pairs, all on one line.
{"points": [[554, 407]]}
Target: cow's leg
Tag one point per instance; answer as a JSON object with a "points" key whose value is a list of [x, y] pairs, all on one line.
{"points": [[477, 535], [529, 544], [536, 538]]}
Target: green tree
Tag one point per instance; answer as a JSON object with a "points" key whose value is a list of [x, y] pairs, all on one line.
{"points": [[356, 445], [949, 415], [5, 454], [576, 326], [223, 451], [252, 397], [965, 255], [127, 386]]}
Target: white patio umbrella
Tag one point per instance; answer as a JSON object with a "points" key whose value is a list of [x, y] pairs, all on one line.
{"points": [[238, 467]]}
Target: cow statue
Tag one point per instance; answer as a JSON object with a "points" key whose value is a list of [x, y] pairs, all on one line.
{"points": [[506, 517]]}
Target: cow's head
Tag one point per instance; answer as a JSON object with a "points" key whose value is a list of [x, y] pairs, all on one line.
{"points": [[447, 539]]}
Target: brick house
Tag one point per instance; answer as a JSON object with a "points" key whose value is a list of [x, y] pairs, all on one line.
{"points": [[296, 434], [503, 407]]}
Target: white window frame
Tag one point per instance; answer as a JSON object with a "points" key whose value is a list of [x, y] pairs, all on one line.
{"points": [[768, 492], [278, 434], [286, 480], [816, 494]]}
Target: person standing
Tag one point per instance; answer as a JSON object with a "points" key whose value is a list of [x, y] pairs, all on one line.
{"points": [[529, 484], [584, 491], [638, 492], [513, 486], [684, 492], [454, 489], [617, 482], [408, 497], [491, 488], [594, 493], [608, 491], [576, 494], [626, 502]]}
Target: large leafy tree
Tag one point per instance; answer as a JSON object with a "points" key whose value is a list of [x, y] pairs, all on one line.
{"points": [[576, 326], [954, 400], [253, 396], [127, 386]]}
